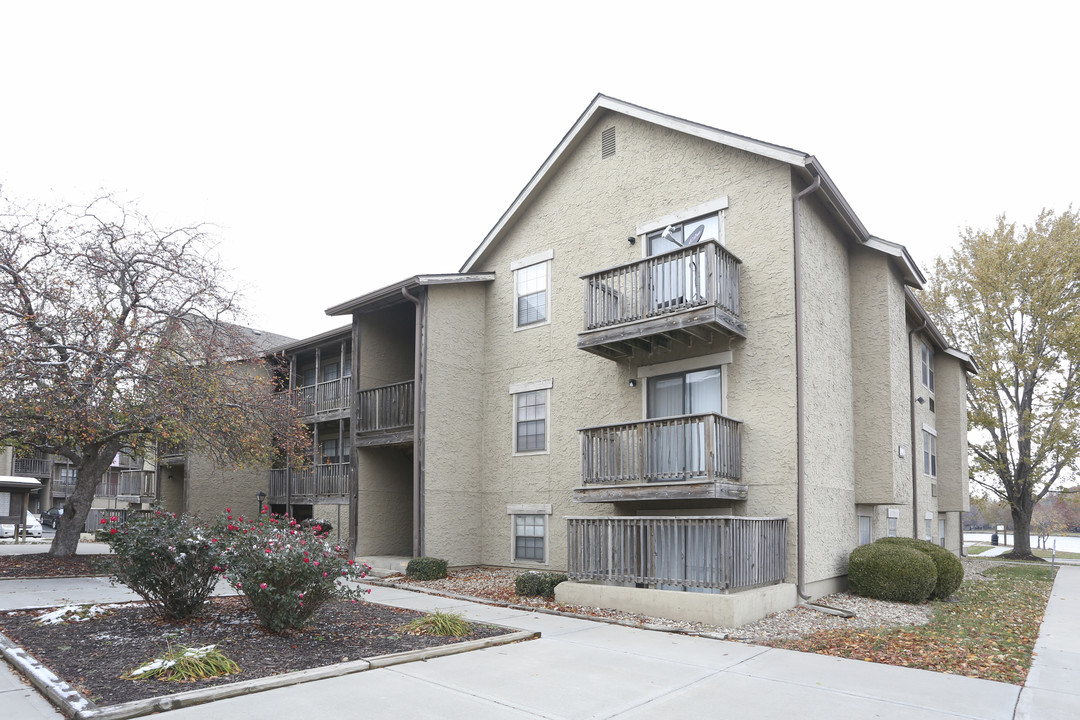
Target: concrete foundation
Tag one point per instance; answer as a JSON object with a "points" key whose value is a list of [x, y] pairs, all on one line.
{"points": [[731, 610]]}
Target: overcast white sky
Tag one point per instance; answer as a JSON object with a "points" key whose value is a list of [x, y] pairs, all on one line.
{"points": [[340, 147]]}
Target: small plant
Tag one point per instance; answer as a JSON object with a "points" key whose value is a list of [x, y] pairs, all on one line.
{"points": [[950, 571], [426, 568], [439, 623], [285, 570], [171, 562], [891, 572], [319, 527], [537, 584], [186, 665]]}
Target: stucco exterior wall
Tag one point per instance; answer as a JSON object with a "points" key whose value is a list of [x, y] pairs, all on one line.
{"points": [[583, 216], [828, 394], [384, 514], [453, 451], [212, 488], [951, 387], [386, 346], [879, 375]]}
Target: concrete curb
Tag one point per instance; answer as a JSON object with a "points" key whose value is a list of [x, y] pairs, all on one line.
{"points": [[73, 704], [547, 611]]}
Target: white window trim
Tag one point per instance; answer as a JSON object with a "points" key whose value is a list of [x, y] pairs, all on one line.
{"points": [[545, 257], [858, 528], [706, 208], [517, 389], [931, 382], [932, 432], [526, 509]]}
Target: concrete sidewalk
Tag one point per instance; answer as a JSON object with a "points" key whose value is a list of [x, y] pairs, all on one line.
{"points": [[585, 669]]}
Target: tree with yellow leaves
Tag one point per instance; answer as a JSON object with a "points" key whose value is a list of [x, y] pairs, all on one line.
{"points": [[1011, 296]]}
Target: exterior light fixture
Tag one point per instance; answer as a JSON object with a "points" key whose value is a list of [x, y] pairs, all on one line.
{"points": [[633, 382], [261, 497], [631, 239], [920, 400]]}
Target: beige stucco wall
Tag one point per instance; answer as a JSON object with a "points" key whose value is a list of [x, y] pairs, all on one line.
{"points": [[386, 346], [951, 387], [880, 381], [384, 513], [212, 488], [453, 451], [583, 216]]}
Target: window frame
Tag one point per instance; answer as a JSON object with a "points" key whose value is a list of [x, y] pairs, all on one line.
{"points": [[518, 391], [518, 266], [869, 536], [543, 513], [927, 358], [892, 524], [929, 452]]}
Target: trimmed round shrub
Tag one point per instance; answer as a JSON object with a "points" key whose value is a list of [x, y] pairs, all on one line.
{"points": [[950, 571], [891, 572], [538, 584], [426, 568]]}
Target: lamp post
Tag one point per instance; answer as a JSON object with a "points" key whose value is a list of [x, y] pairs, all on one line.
{"points": [[261, 496]]}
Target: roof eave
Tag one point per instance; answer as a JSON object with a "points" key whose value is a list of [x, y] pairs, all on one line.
{"points": [[391, 292]]}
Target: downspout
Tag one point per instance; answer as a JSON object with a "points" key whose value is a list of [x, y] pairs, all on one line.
{"points": [[914, 455], [418, 550], [800, 471]]}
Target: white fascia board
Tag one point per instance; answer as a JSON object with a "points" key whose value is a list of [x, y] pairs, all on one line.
{"points": [[913, 276], [451, 278], [965, 359], [601, 103]]}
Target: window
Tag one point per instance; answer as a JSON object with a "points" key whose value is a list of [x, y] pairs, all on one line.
{"points": [[929, 535], [307, 377], [927, 367], [892, 527], [941, 531], [529, 537], [677, 235], [864, 530], [330, 371], [530, 421], [929, 453], [330, 452], [532, 302]]}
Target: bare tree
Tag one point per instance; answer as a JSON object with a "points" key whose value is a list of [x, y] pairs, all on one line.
{"points": [[115, 335]]}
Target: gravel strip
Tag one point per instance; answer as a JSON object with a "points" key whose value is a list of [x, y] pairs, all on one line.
{"points": [[496, 585]]}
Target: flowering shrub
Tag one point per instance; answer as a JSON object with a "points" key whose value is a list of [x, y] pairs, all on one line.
{"points": [[285, 570], [169, 561]]}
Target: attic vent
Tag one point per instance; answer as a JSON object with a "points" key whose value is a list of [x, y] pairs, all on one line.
{"points": [[607, 143]]}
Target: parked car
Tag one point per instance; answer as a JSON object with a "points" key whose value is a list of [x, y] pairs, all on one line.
{"points": [[52, 516], [33, 528]]}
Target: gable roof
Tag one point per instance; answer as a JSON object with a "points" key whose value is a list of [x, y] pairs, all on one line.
{"points": [[392, 294], [805, 164]]}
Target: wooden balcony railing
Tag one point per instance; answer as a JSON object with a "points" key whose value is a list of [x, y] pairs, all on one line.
{"points": [[63, 487], [669, 293], [32, 467], [385, 408], [135, 485], [676, 553], [326, 480], [325, 397], [662, 450]]}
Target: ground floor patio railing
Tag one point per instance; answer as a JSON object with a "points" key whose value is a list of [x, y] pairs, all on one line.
{"points": [[678, 553], [325, 480]]}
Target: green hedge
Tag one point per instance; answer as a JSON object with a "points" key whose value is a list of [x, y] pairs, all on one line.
{"points": [[950, 571], [537, 584], [891, 572], [426, 568]]}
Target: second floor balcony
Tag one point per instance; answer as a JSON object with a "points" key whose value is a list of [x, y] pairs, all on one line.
{"points": [[684, 457], [385, 414], [681, 295], [324, 398], [32, 467]]}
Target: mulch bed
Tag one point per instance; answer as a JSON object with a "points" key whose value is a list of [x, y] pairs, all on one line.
{"points": [[93, 655], [43, 565]]}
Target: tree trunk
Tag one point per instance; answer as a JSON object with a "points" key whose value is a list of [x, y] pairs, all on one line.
{"points": [[1021, 518], [72, 522]]}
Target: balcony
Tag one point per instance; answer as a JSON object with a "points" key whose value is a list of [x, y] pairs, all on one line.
{"points": [[385, 415], [325, 398], [678, 296], [325, 483], [685, 457], [137, 486], [32, 467], [678, 553]]}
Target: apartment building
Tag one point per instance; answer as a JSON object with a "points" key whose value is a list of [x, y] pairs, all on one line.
{"points": [[678, 367]]}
